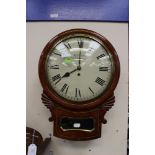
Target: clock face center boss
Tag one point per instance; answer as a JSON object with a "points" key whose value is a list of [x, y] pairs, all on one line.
{"points": [[79, 70]]}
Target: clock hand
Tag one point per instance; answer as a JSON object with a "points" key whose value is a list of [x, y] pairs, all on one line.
{"points": [[67, 74], [79, 67], [73, 70]]}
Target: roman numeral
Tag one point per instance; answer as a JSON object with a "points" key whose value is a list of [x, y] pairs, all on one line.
{"points": [[68, 46], [100, 56], [56, 77], [54, 67], [57, 54], [99, 81], [91, 90], [77, 92], [65, 88], [103, 68], [80, 43]]}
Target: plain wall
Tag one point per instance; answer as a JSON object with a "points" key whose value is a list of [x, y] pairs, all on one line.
{"points": [[114, 133]]}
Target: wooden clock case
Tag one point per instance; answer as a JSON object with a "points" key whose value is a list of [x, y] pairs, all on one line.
{"points": [[34, 137], [64, 111]]}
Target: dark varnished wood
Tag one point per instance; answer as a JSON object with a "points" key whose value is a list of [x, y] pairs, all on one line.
{"points": [[59, 112], [51, 105], [60, 107], [33, 136], [76, 134]]}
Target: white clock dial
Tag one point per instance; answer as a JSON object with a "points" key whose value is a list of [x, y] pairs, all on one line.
{"points": [[79, 68]]}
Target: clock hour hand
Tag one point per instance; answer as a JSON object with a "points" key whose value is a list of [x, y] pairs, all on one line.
{"points": [[67, 74]]}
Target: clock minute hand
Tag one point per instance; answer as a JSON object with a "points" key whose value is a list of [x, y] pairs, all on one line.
{"points": [[79, 67]]}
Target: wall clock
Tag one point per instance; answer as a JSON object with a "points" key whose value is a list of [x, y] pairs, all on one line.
{"points": [[78, 70]]}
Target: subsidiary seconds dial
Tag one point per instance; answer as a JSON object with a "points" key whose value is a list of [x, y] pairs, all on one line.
{"points": [[79, 68]]}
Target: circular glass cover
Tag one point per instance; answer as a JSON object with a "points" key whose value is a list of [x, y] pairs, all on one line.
{"points": [[79, 68]]}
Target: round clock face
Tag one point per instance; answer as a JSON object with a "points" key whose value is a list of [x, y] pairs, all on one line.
{"points": [[79, 68]]}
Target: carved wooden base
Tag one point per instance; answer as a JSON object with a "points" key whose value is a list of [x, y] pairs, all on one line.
{"points": [[77, 125]]}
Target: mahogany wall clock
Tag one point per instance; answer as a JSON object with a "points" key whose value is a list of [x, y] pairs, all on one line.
{"points": [[78, 70]]}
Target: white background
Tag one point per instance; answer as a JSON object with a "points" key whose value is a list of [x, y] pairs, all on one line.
{"points": [[114, 133], [13, 82]]}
